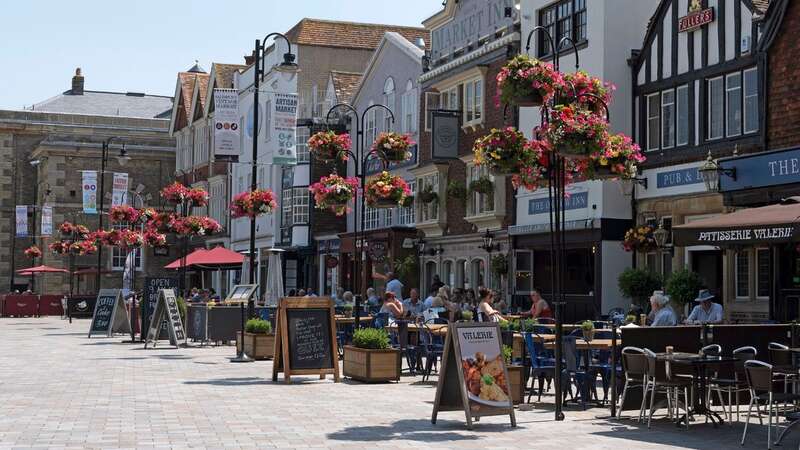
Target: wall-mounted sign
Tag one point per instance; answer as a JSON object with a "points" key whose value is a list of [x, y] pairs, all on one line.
{"points": [[579, 200], [771, 234], [680, 177], [696, 18], [445, 134], [472, 20], [761, 170], [378, 251]]}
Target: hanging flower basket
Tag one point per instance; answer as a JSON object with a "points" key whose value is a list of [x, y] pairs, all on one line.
{"points": [[66, 228], [334, 193], [175, 193], [503, 151], [161, 222], [482, 185], [525, 81], [198, 197], [59, 247], [195, 226], [154, 238], [576, 132], [427, 195], [329, 146], [83, 247], [33, 252], [394, 147], [640, 239], [147, 214], [619, 159], [131, 239], [386, 191], [110, 238], [584, 91], [253, 203], [123, 214]]}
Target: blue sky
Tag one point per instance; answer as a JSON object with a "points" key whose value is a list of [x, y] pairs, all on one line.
{"points": [[140, 45]]}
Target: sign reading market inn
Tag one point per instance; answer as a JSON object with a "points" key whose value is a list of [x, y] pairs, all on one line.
{"points": [[471, 21]]}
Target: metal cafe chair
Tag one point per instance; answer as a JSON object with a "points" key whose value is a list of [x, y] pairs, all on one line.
{"points": [[735, 382], [764, 384], [432, 348], [660, 380], [540, 370], [634, 366]]}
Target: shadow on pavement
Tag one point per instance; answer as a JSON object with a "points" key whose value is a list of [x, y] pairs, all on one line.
{"points": [[246, 381], [416, 430]]}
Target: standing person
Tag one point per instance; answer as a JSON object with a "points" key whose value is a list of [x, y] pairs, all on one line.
{"points": [[664, 315], [539, 307], [485, 307], [707, 311], [394, 285], [436, 283], [337, 296]]}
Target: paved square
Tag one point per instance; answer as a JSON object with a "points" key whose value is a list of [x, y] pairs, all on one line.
{"points": [[59, 389]]}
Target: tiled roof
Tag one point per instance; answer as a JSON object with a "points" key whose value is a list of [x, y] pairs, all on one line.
{"points": [[187, 87], [327, 33], [345, 83], [202, 80], [100, 103], [224, 73]]}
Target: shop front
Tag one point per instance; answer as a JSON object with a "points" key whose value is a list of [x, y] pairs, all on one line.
{"points": [[328, 260], [383, 251], [596, 218]]}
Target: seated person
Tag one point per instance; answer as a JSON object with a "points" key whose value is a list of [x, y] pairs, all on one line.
{"points": [[707, 311], [428, 303], [539, 307], [485, 307], [663, 315], [413, 306], [392, 306], [372, 298]]}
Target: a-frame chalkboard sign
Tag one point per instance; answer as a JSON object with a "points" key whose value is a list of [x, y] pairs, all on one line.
{"points": [[473, 377], [109, 314], [166, 309], [305, 338]]}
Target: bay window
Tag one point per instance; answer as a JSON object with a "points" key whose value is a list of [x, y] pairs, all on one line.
{"points": [[428, 212], [473, 101], [477, 203]]}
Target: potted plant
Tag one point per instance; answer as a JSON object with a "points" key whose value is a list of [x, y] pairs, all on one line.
{"points": [[348, 309], [630, 318], [507, 329], [259, 340], [393, 146], [587, 328], [504, 151], [640, 239], [386, 191], [253, 203], [576, 132], [427, 195], [638, 285], [456, 190], [466, 316], [525, 81], [682, 287], [328, 146], [370, 359], [515, 375], [334, 193], [482, 185]]}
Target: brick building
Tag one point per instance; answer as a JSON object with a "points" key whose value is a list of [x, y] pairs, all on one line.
{"points": [[457, 87], [42, 151]]}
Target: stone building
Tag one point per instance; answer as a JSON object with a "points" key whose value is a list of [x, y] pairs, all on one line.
{"points": [[42, 152]]}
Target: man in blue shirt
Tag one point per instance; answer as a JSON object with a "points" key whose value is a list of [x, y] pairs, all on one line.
{"points": [[394, 285], [413, 305], [706, 311]]}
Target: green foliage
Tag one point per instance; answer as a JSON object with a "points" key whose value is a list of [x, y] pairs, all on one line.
{"points": [[630, 318], [182, 310], [499, 264], [466, 316], [482, 185], [682, 286], [427, 195], [258, 326], [408, 201], [510, 325], [587, 325], [528, 325], [371, 338], [347, 307], [508, 353], [456, 190], [406, 268], [638, 285]]}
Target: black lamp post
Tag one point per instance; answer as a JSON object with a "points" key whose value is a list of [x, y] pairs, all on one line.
{"points": [[360, 159], [488, 242], [123, 159], [287, 66]]}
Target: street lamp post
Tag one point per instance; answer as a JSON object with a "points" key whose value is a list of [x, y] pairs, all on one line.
{"points": [[360, 159], [123, 159]]}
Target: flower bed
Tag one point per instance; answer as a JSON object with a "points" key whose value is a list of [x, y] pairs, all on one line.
{"points": [[394, 146], [329, 146], [386, 191], [334, 192], [253, 203]]}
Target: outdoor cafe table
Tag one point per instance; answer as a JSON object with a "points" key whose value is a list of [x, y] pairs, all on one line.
{"points": [[581, 344], [699, 364], [342, 320]]}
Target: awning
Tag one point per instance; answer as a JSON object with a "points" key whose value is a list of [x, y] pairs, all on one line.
{"points": [[773, 224], [216, 258], [41, 269]]}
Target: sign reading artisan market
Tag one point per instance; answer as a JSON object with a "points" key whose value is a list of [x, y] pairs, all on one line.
{"points": [[696, 18]]}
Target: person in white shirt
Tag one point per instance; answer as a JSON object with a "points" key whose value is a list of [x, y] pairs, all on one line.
{"points": [[707, 311], [663, 316]]}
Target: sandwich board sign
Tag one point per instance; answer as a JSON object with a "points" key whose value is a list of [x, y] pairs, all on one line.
{"points": [[109, 314], [151, 288], [166, 309], [473, 378], [305, 338]]}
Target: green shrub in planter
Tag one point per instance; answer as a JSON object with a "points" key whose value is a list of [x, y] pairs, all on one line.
{"points": [[258, 326], [587, 325], [682, 286], [630, 318], [371, 338], [182, 310], [508, 353], [638, 285], [466, 316], [528, 325]]}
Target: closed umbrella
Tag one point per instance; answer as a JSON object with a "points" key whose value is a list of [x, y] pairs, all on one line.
{"points": [[274, 277]]}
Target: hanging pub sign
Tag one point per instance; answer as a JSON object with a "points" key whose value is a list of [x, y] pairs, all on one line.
{"points": [[305, 338], [696, 18], [445, 134], [473, 377], [226, 122]]}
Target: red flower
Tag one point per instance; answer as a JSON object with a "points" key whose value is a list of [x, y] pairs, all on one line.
{"points": [[123, 214], [253, 203], [33, 252]]}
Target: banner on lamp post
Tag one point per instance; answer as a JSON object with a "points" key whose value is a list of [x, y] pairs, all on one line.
{"points": [[226, 122], [22, 220], [89, 191], [47, 221], [281, 123], [120, 189]]}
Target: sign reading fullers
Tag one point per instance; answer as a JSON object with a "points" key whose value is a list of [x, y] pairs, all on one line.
{"points": [[696, 18], [226, 122]]}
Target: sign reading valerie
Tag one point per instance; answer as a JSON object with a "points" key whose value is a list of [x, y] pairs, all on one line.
{"points": [[761, 170], [579, 200], [472, 20], [771, 234]]}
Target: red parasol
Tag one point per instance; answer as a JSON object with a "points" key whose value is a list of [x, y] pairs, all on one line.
{"points": [[216, 258], [41, 269]]}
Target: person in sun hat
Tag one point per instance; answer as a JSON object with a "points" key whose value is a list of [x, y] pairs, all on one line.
{"points": [[706, 311]]}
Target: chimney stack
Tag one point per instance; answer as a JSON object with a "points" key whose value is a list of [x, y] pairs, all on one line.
{"points": [[248, 60], [77, 83]]}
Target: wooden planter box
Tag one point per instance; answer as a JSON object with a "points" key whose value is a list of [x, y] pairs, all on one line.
{"points": [[371, 365], [257, 346], [516, 381]]}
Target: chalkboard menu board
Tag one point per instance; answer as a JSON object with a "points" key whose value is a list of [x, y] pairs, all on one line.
{"points": [[309, 338], [109, 314], [151, 287], [166, 310], [305, 338]]}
